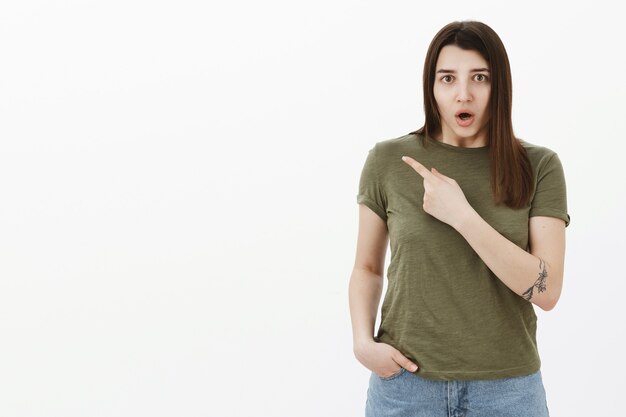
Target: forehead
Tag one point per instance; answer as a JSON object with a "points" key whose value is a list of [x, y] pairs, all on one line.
{"points": [[454, 58]]}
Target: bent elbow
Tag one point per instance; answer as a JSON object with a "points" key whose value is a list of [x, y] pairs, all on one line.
{"points": [[549, 304]]}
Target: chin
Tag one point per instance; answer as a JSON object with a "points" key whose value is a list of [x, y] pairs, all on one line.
{"points": [[465, 133]]}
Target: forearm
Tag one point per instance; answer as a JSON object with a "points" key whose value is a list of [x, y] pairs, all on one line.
{"points": [[525, 274], [364, 294]]}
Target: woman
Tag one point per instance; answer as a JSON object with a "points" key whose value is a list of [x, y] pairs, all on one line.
{"points": [[476, 219]]}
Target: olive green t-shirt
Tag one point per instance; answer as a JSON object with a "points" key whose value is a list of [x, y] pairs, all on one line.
{"points": [[444, 309]]}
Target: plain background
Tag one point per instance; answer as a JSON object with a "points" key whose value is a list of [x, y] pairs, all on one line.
{"points": [[178, 186]]}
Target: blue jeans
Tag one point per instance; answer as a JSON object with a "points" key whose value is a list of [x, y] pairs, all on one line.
{"points": [[406, 394]]}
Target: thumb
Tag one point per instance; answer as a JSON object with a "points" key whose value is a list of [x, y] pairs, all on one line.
{"points": [[404, 362], [440, 175], [407, 364], [410, 366]]}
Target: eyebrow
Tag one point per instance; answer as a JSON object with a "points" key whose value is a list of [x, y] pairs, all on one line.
{"points": [[447, 71]]}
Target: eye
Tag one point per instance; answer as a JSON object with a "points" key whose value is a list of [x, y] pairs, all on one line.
{"points": [[444, 77], [484, 77]]}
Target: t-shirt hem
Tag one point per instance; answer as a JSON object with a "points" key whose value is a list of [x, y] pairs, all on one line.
{"points": [[480, 375]]}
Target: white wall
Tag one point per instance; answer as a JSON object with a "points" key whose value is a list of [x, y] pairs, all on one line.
{"points": [[178, 187]]}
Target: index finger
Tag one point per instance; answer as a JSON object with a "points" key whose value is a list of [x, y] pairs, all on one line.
{"points": [[419, 168]]}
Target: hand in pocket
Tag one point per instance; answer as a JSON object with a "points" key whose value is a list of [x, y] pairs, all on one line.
{"points": [[383, 359]]}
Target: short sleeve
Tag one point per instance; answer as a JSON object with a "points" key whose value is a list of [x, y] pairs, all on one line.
{"points": [[370, 189], [550, 197]]}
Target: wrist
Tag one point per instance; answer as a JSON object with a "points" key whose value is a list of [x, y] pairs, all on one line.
{"points": [[361, 343], [465, 219]]}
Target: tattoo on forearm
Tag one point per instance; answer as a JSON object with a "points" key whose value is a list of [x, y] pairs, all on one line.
{"points": [[540, 283]]}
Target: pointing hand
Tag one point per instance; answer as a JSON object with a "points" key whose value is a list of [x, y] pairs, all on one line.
{"points": [[443, 197]]}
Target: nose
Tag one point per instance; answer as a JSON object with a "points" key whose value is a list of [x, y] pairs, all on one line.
{"points": [[464, 93]]}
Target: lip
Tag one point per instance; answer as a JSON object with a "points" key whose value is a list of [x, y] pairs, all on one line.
{"points": [[463, 111], [467, 122]]}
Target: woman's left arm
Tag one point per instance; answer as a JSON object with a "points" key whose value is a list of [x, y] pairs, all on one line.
{"points": [[537, 276]]}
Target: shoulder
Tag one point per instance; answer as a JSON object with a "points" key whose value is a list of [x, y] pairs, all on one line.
{"points": [[536, 152], [385, 155], [394, 146], [546, 165], [539, 156]]}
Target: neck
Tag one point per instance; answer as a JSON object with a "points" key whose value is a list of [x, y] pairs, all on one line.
{"points": [[477, 141]]}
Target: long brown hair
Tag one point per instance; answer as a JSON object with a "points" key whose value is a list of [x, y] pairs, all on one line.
{"points": [[511, 172]]}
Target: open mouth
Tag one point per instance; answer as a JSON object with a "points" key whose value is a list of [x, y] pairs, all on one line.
{"points": [[464, 119]]}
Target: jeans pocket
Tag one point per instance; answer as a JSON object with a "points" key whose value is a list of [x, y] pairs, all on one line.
{"points": [[390, 377]]}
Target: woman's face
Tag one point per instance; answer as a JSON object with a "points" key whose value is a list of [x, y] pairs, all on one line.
{"points": [[462, 84]]}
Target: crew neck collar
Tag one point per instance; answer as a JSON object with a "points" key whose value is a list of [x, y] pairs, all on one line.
{"points": [[447, 146]]}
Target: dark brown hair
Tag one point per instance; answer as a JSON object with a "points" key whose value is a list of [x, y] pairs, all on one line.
{"points": [[511, 172]]}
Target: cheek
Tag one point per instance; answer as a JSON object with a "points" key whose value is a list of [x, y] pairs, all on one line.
{"points": [[486, 114], [486, 95], [439, 100], [485, 98], [437, 93]]}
